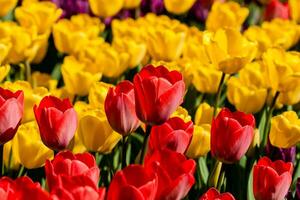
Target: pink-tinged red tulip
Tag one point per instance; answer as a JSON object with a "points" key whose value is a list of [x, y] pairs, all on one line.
{"points": [[277, 9], [158, 93], [120, 108], [57, 121], [73, 188], [174, 134], [11, 112], [133, 182], [231, 135], [81, 167], [213, 194], [22, 188], [174, 171], [271, 180]]}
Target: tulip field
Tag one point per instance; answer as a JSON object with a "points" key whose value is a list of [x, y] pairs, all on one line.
{"points": [[149, 99]]}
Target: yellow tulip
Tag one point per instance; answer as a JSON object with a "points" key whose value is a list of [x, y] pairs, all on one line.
{"points": [[136, 51], [6, 6], [94, 130], [130, 4], [200, 144], [295, 10], [128, 28], [98, 93], [62, 93], [285, 130], [106, 8], [31, 96], [41, 14], [283, 33], [78, 76], [247, 92], [11, 155], [165, 44], [182, 113], [5, 46], [204, 114], [4, 70], [178, 6], [291, 97], [281, 69], [259, 35], [70, 36], [31, 150], [229, 50], [43, 80], [228, 14]]}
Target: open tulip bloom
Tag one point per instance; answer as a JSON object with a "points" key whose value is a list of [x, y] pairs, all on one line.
{"points": [[149, 100]]}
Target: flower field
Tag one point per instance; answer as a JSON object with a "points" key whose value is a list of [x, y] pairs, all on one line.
{"points": [[149, 100]]}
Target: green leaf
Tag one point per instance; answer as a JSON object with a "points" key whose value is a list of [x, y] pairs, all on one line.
{"points": [[262, 123], [203, 170], [250, 195], [56, 73]]}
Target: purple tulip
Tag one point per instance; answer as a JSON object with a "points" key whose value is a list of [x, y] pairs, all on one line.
{"points": [[274, 153], [72, 7], [200, 11], [123, 14], [155, 6], [297, 195]]}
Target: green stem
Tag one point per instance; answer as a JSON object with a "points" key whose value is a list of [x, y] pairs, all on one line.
{"points": [[219, 93], [145, 144], [268, 120], [124, 150], [28, 72], [21, 170]]}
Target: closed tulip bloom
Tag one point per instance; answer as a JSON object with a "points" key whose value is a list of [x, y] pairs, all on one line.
{"points": [[57, 121], [213, 194], [276, 9], [5, 47], [285, 130], [133, 182], [295, 13], [237, 129], [11, 109], [120, 108], [204, 114], [173, 182], [22, 188], [182, 113], [200, 144], [31, 151], [105, 8], [174, 134], [177, 6], [6, 6], [71, 7], [72, 188], [65, 165], [98, 93], [271, 180], [158, 93], [284, 154], [94, 131]]}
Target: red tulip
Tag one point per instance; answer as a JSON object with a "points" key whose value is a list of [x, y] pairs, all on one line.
{"points": [[277, 9], [57, 121], [120, 108], [81, 167], [75, 189], [133, 183], [21, 189], [174, 171], [11, 112], [174, 134], [271, 180], [231, 135], [213, 194], [158, 93]]}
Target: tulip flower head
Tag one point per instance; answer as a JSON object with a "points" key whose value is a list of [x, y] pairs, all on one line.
{"points": [[271, 180], [213, 194], [11, 112], [237, 129], [57, 121], [158, 93], [120, 108], [276, 9]]}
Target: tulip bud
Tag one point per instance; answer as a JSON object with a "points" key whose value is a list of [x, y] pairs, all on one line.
{"points": [[276, 9], [57, 121], [158, 93], [271, 180], [11, 109], [213, 194], [120, 108], [285, 154], [236, 128]]}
